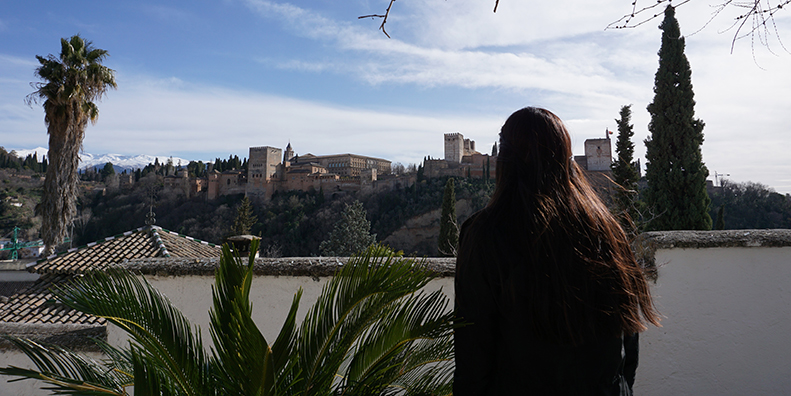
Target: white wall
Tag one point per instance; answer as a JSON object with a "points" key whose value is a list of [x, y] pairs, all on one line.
{"points": [[726, 327], [271, 297]]}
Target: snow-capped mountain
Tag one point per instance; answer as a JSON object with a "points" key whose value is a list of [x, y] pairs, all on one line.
{"points": [[128, 162]]}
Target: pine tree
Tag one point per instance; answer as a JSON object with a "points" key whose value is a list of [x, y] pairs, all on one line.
{"points": [[675, 171], [448, 227], [245, 219], [623, 171], [351, 235], [107, 170]]}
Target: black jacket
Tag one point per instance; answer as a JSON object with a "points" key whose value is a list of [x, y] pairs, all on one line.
{"points": [[497, 355]]}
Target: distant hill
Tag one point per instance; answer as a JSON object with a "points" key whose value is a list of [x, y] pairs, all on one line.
{"points": [[120, 162]]}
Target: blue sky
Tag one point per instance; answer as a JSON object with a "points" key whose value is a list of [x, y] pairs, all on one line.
{"points": [[204, 79]]}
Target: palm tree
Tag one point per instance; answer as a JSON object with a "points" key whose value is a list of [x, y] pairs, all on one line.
{"points": [[72, 82], [371, 332]]}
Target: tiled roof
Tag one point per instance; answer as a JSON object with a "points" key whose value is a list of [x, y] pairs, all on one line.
{"points": [[33, 304], [144, 242], [11, 288]]}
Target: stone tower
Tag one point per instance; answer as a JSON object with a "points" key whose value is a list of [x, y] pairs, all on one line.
{"points": [[263, 164], [598, 153], [454, 147], [289, 154]]}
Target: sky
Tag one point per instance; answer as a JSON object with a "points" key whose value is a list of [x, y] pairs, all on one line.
{"points": [[204, 79]]}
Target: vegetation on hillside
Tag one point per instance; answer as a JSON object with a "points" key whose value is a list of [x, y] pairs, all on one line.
{"points": [[295, 223], [750, 205], [292, 223], [20, 192], [31, 162], [448, 239], [350, 234]]}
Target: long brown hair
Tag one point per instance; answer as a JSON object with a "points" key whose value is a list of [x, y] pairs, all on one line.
{"points": [[562, 259]]}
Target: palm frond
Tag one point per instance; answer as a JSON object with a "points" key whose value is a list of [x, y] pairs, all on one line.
{"points": [[417, 333], [67, 373], [282, 349], [371, 293], [164, 334], [241, 351]]}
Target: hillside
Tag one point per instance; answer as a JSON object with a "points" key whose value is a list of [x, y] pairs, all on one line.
{"points": [[295, 223], [291, 224]]}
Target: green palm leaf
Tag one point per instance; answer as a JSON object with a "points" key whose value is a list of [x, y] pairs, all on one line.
{"points": [[165, 337], [68, 373], [247, 364], [366, 309], [415, 334]]}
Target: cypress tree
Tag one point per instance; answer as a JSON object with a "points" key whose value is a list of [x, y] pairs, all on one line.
{"points": [[675, 171], [623, 171], [448, 228], [720, 225]]}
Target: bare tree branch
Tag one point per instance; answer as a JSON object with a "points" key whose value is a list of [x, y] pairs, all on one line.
{"points": [[387, 14], [384, 17], [760, 13]]}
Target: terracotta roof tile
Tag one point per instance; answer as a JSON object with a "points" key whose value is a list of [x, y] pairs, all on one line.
{"points": [[34, 303], [146, 242]]}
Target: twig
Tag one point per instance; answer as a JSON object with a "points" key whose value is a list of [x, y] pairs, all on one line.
{"points": [[384, 18], [387, 14], [760, 12]]}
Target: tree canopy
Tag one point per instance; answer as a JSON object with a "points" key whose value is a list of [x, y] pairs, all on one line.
{"points": [[352, 233], [448, 239], [675, 171], [623, 170]]}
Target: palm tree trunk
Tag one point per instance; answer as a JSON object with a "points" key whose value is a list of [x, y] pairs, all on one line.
{"points": [[60, 186]]}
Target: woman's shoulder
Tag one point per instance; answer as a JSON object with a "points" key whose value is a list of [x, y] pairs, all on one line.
{"points": [[476, 220]]}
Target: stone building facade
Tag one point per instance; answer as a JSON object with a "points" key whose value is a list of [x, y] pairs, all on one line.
{"points": [[461, 160], [598, 155], [271, 169]]}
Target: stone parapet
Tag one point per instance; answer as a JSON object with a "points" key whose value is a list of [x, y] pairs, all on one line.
{"points": [[314, 267], [714, 239]]}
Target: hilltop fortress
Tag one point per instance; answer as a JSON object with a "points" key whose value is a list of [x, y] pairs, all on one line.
{"points": [[271, 169], [462, 160]]}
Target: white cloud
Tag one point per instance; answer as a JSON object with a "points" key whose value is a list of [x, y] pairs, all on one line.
{"points": [[574, 67], [156, 118]]}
